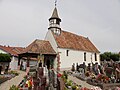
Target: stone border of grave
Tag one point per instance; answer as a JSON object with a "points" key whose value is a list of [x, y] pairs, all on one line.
{"points": [[3, 80], [10, 75], [83, 78], [91, 82]]}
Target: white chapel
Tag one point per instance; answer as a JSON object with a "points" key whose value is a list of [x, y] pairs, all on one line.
{"points": [[71, 48]]}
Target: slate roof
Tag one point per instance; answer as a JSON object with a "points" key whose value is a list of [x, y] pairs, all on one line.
{"points": [[39, 47], [12, 50], [55, 14], [72, 41]]}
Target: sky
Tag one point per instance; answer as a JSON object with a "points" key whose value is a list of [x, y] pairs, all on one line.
{"points": [[23, 21]]}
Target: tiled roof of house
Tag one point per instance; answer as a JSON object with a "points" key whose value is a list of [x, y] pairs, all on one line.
{"points": [[75, 42], [12, 50], [39, 46]]}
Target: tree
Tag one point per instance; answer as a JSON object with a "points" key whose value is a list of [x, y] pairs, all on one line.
{"points": [[4, 58], [115, 57], [108, 55]]}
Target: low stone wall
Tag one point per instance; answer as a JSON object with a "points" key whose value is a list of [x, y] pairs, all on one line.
{"points": [[104, 86], [111, 86], [3, 80]]}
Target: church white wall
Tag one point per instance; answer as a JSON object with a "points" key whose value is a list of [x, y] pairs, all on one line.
{"points": [[93, 58], [49, 37], [74, 56]]}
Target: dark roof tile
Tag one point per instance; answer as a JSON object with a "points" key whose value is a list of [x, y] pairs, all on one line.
{"points": [[12, 50], [39, 46]]}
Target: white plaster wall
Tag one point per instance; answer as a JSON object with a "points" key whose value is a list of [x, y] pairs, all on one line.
{"points": [[1, 51], [49, 37], [98, 58], [74, 56], [14, 63], [88, 58], [93, 58]]}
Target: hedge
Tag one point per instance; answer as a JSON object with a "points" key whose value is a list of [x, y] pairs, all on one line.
{"points": [[4, 58]]}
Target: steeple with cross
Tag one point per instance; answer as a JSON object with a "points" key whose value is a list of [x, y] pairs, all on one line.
{"points": [[54, 21], [55, 3]]}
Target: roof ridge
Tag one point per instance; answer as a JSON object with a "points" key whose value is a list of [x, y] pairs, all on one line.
{"points": [[74, 41], [39, 46], [74, 34]]}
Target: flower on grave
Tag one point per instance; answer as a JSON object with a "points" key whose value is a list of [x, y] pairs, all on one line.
{"points": [[74, 87], [84, 88], [77, 88], [93, 76], [99, 77], [106, 78], [103, 78], [69, 83], [87, 74], [96, 88], [59, 75], [64, 78]]}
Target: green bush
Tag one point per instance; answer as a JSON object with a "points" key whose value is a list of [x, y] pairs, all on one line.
{"points": [[14, 87], [65, 88], [4, 58], [69, 83], [109, 55], [14, 72], [74, 87]]}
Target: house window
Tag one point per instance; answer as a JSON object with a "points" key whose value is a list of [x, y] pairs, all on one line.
{"points": [[67, 52], [95, 57], [84, 56]]}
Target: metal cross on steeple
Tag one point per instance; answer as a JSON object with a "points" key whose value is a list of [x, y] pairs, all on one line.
{"points": [[55, 3]]}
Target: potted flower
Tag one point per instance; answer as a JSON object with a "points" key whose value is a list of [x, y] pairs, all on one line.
{"points": [[87, 74], [69, 84], [14, 87], [74, 87]]}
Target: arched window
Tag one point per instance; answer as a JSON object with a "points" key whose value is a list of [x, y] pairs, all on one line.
{"points": [[84, 56], [95, 57], [67, 52]]}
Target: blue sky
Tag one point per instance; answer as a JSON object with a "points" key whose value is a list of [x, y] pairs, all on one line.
{"points": [[23, 21]]}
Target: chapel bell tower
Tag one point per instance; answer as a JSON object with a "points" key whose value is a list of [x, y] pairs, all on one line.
{"points": [[54, 22]]}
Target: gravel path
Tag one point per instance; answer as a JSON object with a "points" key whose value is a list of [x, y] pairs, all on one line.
{"points": [[80, 82], [14, 81]]}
